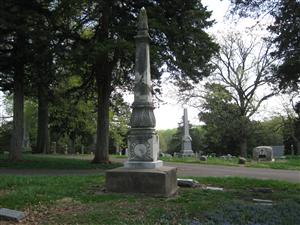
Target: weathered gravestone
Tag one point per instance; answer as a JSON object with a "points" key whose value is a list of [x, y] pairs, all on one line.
{"points": [[203, 158], [186, 141], [143, 172], [278, 151], [186, 145], [53, 147], [242, 160], [263, 153]]}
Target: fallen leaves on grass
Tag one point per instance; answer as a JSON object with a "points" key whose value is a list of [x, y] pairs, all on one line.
{"points": [[41, 214]]}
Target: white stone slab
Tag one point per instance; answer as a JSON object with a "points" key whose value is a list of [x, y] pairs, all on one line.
{"points": [[262, 200], [9, 214], [186, 182], [143, 164], [214, 188]]}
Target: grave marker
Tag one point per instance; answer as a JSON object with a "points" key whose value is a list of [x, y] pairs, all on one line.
{"points": [[143, 172], [9, 214], [186, 146]]}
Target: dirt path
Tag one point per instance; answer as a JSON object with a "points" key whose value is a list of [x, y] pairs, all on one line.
{"points": [[184, 169]]}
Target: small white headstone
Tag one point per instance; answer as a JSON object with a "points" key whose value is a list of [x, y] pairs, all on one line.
{"points": [[214, 188]]}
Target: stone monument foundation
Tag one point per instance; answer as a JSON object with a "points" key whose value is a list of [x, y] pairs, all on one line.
{"points": [[160, 182]]}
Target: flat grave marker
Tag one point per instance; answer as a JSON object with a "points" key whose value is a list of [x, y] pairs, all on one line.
{"points": [[9, 214]]}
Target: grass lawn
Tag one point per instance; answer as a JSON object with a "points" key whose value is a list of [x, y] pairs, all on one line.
{"points": [[84, 162], [30, 161], [290, 163], [119, 156], [79, 200], [210, 161]]}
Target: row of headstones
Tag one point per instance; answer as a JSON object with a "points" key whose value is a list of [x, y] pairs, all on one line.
{"points": [[66, 150], [260, 153]]}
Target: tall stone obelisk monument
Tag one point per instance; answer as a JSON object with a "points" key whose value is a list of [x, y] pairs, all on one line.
{"points": [[143, 142], [142, 173], [186, 146]]}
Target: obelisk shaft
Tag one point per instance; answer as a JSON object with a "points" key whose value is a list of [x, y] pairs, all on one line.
{"points": [[142, 113], [186, 147], [186, 123], [142, 92]]}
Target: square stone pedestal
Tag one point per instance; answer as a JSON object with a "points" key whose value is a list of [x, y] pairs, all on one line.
{"points": [[187, 153], [160, 181]]}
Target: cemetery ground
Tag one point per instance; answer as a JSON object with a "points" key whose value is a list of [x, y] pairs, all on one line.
{"points": [[40, 161], [82, 200], [289, 163]]}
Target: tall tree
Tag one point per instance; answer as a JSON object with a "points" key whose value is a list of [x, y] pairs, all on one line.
{"points": [[287, 39], [291, 126], [14, 42], [71, 115], [42, 70], [119, 122], [243, 67], [286, 34], [222, 121], [178, 41], [50, 48], [29, 30]]}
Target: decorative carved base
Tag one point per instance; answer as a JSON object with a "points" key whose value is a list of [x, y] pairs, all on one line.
{"points": [[142, 116], [143, 145]]}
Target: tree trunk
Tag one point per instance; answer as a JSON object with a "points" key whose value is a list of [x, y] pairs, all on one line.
{"points": [[72, 151], [42, 145], [102, 143], [18, 114], [103, 72], [244, 125], [298, 147], [243, 147]]}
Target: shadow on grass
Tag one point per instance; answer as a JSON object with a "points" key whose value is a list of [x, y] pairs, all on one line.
{"points": [[79, 200], [52, 162]]}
